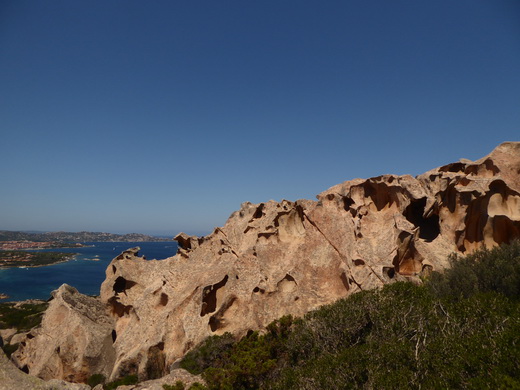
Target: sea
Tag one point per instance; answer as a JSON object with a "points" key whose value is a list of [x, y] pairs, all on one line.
{"points": [[85, 272]]}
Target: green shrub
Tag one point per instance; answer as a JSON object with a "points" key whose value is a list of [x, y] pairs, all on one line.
{"points": [[95, 380], [23, 318], [197, 360], [127, 380], [496, 269], [179, 385], [198, 386]]}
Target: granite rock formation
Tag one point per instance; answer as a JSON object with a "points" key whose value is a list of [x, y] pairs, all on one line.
{"points": [[73, 342], [277, 258], [11, 378]]}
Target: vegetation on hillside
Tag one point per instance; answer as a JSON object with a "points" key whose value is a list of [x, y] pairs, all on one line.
{"points": [[32, 259], [459, 330], [22, 317]]}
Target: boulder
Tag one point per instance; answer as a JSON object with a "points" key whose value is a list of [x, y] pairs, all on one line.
{"points": [[74, 341], [11, 378]]}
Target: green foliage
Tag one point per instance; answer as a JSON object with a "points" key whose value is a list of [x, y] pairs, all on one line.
{"points": [[179, 385], [198, 386], [9, 349], [23, 318], [201, 358], [496, 269], [95, 380], [461, 329], [32, 259], [127, 380]]}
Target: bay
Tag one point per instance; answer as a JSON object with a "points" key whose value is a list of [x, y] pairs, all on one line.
{"points": [[85, 272]]}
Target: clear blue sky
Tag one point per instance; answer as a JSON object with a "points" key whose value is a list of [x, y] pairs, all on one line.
{"points": [[163, 116]]}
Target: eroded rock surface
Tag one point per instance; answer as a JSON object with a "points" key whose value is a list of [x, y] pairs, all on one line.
{"points": [[73, 342], [11, 378], [277, 258]]}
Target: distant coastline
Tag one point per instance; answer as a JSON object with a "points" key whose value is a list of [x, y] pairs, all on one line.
{"points": [[73, 237], [25, 259]]}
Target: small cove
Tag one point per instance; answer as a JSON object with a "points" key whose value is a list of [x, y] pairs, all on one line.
{"points": [[85, 272]]}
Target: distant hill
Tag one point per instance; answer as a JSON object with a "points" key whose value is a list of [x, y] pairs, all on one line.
{"points": [[6, 235]]}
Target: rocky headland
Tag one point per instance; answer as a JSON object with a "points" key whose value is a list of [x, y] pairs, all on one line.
{"points": [[272, 259]]}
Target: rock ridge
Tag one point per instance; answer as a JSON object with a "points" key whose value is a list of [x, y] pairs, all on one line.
{"points": [[277, 258]]}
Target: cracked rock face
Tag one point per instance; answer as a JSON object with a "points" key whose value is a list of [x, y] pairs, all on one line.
{"points": [[73, 342], [277, 258]]}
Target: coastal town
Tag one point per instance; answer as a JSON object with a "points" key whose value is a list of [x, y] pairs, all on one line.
{"points": [[19, 253], [34, 245]]}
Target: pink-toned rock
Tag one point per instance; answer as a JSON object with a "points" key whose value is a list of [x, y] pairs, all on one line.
{"points": [[277, 258], [73, 342]]}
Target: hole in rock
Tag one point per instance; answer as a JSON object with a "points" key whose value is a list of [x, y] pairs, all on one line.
{"points": [[287, 284], [259, 211], [121, 285], [25, 369], [358, 262], [114, 269], [209, 297], [164, 299], [118, 308], [330, 196], [505, 230], [347, 202], [487, 169], [217, 321], [429, 227], [380, 194], [498, 187], [58, 350], [156, 362], [258, 289], [114, 335], [214, 324], [455, 167], [344, 280], [389, 272], [30, 336]]}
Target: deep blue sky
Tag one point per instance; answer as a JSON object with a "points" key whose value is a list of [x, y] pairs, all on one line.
{"points": [[164, 116]]}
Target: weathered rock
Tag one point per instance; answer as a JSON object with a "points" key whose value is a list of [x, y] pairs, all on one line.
{"points": [[73, 342], [11, 378], [277, 258], [7, 334]]}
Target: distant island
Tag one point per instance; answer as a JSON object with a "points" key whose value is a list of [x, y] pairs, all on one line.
{"points": [[68, 237]]}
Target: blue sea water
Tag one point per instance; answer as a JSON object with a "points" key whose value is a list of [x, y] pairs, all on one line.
{"points": [[82, 272]]}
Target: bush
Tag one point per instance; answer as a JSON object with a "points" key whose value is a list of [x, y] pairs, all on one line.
{"points": [[23, 318], [127, 380], [95, 380], [199, 359], [496, 269], [179, 385]]}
